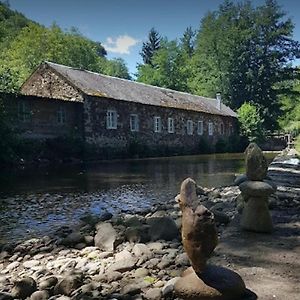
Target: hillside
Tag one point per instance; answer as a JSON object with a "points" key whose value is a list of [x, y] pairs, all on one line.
{"points": [[24, 44]]}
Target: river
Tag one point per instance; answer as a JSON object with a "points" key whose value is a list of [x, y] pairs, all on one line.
{"points": [[37, 202]]}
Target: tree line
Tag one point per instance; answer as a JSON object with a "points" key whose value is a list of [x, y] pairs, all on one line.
{"points": [[242, 51]]}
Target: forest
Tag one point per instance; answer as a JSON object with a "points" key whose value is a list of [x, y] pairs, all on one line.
{"points": [[245, 52]]}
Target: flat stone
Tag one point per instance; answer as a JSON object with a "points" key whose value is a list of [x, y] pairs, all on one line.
{"points": [[256, 189], [123, 265], [218, 284]]}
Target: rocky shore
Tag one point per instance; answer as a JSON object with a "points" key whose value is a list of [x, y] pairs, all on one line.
{"points": [[126, 256]]}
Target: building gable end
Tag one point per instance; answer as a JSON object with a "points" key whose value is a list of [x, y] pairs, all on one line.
{"points": [[47, 83]]}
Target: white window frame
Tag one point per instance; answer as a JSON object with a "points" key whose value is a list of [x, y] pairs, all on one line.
{"points": [[200, 127], [157, 124], [171, 127], [189, 127], [111, 119], [210, 128], [61, 115], [134, 122]]}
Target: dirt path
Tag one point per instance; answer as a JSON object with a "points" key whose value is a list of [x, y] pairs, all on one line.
{"points": [[268, 263]]}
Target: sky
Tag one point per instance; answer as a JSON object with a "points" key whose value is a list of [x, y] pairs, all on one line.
{"points": [[123, 25]]}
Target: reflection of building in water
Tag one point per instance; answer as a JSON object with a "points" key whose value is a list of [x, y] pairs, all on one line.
{"points": [[119, 117]]}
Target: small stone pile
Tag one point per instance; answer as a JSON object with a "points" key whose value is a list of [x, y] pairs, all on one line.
{"points": [[199, 238], [256, 191]]}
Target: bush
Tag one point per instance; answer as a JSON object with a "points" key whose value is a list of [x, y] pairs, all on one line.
{"points": [[250, 122]]}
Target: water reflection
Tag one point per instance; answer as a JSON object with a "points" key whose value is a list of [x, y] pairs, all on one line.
{"points": [[38, 202]]}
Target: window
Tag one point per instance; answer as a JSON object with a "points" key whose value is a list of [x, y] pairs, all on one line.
{"points": [[222, 131], [134, 122], [24, 112], [189, 127], [111, 119], [230, 129], [61, 115], [210, 128], [157, 124], [171, 128], [200, 128]]}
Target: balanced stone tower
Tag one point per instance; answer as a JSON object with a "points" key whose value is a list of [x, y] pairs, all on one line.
{"points": [[199, 238], [255, 192]]}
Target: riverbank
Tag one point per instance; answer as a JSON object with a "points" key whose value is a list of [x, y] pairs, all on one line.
{"points": [[133, 256]]}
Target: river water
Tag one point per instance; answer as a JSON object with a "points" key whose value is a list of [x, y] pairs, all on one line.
{"points": [[35, 203]]}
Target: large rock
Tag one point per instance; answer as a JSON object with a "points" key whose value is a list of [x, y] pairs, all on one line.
{"points": [[217, 284], [199, 233], [105, 237], [162, 228], [24, 288], [256, 163]]}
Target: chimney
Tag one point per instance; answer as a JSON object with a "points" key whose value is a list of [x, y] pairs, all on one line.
{"points": [[219, 101]]}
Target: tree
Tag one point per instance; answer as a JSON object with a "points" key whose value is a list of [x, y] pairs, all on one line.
{"points": [[165, 69], [250, 121], [245, 53], [149, 47], [117, 67], [36, 43], [188, 42]]}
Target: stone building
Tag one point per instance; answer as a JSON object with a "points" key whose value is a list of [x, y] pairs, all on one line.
{"points": [[118, 114]]}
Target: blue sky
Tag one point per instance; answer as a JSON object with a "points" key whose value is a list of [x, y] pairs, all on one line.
{"points": [[122, 25]]}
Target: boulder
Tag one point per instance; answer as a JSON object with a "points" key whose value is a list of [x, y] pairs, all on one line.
{"points": [[72, 239], [256, 163], [24, 288], [216, 283], [105, 237], [162, 228], [137, 234]]}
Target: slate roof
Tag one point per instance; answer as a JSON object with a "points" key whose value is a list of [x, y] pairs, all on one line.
{"points": [[95, 84]]}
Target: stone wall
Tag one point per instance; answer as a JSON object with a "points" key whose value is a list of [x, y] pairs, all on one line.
{"points": [[37, 118], [122, 138]]}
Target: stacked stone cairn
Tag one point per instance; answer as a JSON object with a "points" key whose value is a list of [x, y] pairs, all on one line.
{"points": [[199, 238], [256, 191]]}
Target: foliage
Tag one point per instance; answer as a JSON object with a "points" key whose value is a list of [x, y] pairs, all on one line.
{"points": [[166, 70], [297, 143], [290, 105], [250, 121], [116, 67], [151, 46], [25, 44]]}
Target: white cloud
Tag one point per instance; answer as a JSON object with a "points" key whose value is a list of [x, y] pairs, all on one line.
{"points": [[120, 44]]}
